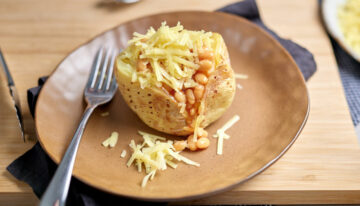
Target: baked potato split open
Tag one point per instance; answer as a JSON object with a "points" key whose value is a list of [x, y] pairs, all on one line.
{"points": [[177, 81]]}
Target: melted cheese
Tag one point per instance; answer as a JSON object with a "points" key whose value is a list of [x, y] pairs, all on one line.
{"points": [[221, 135], [155, 153]]}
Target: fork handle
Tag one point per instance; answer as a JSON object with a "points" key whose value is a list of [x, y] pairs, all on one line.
{"points": [[57, 190]]}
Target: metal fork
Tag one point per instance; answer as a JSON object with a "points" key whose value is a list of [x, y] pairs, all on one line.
{"points": [[100, 89]]}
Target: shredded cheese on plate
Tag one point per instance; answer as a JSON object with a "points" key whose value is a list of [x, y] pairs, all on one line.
{"points": [[123, 154], [104, 114], [241, 76], [154, 154], [111, 141], [221, 135]]}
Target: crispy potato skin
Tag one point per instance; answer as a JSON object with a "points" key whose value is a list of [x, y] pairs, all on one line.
{"points": [[220, 92], [160, 111], [153, 106]]}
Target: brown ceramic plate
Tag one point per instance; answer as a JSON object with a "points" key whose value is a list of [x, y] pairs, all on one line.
{"points": [[273, 106]]}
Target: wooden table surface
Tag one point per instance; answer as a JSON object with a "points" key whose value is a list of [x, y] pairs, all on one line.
{"points": [[323, 166]]}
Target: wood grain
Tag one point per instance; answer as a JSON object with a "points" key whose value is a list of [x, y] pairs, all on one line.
{"points": [[321, 167]]}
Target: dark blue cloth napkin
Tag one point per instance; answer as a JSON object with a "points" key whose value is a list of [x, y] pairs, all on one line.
{"points": [[36, 168], [349, 70]]}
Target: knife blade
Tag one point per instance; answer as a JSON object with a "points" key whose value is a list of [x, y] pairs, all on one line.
{"points": [[13, 93]]}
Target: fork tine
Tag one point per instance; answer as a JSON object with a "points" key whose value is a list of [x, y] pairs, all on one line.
{"points": [[103, 70], [114, 84], [94, 69], [110, 72]]}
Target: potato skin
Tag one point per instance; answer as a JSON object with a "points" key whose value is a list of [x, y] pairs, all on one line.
{"points": [[160, 111], [220, 92], [152, 105]]}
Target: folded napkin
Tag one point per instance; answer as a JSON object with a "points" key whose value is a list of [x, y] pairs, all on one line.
{"points": [[36, 168], [349, 70]]}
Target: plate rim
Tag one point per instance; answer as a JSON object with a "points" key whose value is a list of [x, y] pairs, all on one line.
{"points": [[334, 30], [215, 191]]}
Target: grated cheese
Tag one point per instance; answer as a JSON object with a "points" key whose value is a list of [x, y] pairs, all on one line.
{"points": [[241, 76], [155, 153], [182, 107], [111, 141], [198, 121], [104, 114], [172, 53], [123, 154], [221, 135]]}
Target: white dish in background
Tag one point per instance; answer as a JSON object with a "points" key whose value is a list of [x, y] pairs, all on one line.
{"points": [[329, 9]]}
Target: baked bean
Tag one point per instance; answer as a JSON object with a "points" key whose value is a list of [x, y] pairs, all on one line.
{"points": [[205, 134], [199, 91], [208, 72], [205, 65], [190, 96], [191, 144], [192, 111], [202, 133], [180, 145], [180, 97], [141, 65], [201, 78], [190, 138], [206, 53], [203, 143]]}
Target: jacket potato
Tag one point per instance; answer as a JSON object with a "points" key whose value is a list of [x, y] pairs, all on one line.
{"points": [[177, 81]]}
